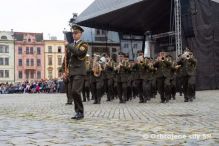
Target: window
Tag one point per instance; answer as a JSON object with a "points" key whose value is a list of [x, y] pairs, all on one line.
{"points": [[32, 62], [4, 37], [1, 61], [27, 62], [114, 49], [38, 50], [59, 61], [31, 50], [27, 50], [38, 62], [50, 74], [135, 46], [1, 49], [49, 60], [6, 73], [50, 49], [103, 32], [126, 45], [20, 75], [98, 32], [27, 74], [59, 49], [38, 75], [31, 74], [29, 40], [20, 62], [1, 73], [6, 61], [6, 49], [20, 50]]}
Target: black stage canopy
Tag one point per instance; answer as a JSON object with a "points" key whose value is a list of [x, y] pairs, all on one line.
{"points": [[129, 16]]}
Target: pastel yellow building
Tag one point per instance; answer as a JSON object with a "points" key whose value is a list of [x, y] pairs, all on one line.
{"points": [[54, 54]]}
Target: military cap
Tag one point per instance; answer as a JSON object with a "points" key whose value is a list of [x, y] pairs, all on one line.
{"points": [[121, 53], [77, 28], [139, 51]]}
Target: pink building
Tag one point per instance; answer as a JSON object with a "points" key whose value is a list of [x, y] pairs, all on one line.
{"points": [[29, 56]]}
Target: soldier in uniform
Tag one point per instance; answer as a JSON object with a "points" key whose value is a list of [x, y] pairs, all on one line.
{"points": [[109, 70], [118, 77], [124, 72], [153, 82], [115, 89], [179, 86], [188, 65], [147, 76], [76, 54], [163, 68], [138, 69], [172, 78], [96, 80], [133, 77], [86, 87]]}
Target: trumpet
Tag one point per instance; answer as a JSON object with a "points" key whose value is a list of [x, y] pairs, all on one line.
{"points": [[187, 55]]}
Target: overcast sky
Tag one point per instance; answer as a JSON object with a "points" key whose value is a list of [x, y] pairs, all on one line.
{"points": [[47, 16]]}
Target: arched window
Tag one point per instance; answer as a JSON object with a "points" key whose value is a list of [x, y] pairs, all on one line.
{"points": [[4, 37]]}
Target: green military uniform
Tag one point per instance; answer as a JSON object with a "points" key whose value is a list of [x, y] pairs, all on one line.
{"points": [[86, 87], [188, 77], [163, 79], [76, 55], [124, 73], [147, 77], [109, 70], [138, 69]]}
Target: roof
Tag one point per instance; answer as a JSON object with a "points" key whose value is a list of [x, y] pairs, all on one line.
{"points": [[99, 7], [129, 16]]}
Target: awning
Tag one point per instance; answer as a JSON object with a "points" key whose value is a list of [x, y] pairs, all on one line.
{"points": [[131, 16]]}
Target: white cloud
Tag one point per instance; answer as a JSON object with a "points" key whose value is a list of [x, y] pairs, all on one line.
{"points": [[47, 16]]}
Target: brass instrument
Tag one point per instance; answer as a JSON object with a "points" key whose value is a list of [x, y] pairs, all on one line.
{"points": [[162, 56], [87, 63], [97, 69], [66, 71]]}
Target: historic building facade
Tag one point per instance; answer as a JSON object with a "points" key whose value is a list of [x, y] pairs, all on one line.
{"points": [[29, 56], [6, 57], [54, 55]]}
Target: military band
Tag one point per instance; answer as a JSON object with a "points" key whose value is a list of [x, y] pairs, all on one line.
{"points": [[118, 77], [142, 78]]}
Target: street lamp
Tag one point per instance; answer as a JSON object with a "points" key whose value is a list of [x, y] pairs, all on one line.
{"points": [[68, 34], [73, 19]]}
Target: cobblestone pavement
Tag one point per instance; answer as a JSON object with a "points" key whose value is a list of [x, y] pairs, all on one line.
{"points": [[43, 119]]}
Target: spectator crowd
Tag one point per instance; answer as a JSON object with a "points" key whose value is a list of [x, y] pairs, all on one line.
{"points": [[42, 86]]}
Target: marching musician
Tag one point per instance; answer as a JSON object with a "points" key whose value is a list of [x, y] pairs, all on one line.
{"points": [[75, 58], [188, 65]]}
